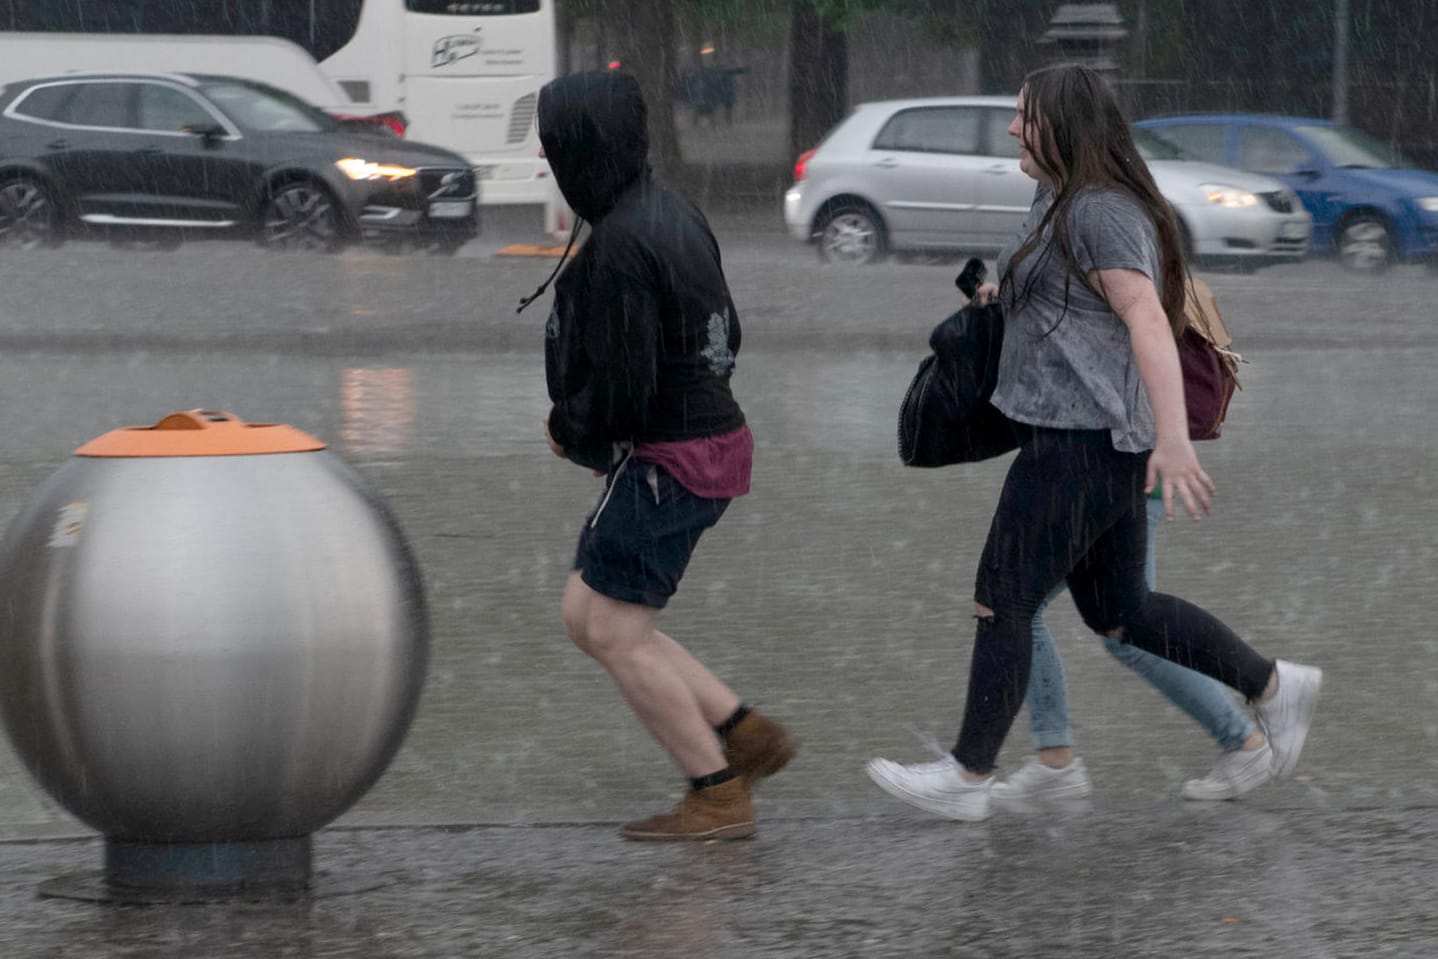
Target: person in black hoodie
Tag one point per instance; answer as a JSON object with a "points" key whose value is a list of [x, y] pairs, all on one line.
{"points": [[639, 349]]}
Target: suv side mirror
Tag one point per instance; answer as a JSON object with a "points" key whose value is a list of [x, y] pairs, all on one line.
{"points": [[209, 131]]}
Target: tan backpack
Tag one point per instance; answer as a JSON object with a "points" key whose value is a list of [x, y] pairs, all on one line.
{"points": [[1210, 365]]}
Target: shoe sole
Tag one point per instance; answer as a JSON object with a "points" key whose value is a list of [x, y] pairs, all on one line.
{"points": [[1082, 791], [1283, 765], [738, 830], [927, 805], [1230, 794], [1234, 790]]}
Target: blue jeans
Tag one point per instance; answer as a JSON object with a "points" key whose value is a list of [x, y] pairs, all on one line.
{"points": [[1207, 700]]}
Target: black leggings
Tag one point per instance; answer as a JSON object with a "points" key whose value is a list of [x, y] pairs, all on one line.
{"points": [[1073, 508]]}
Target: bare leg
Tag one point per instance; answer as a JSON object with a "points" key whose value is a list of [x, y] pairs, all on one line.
{"points": [[716, 700], [654, 674], [1056, 757]]}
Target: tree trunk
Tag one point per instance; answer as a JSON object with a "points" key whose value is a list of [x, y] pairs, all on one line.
{"points": [[818, 78], [644, 42]]}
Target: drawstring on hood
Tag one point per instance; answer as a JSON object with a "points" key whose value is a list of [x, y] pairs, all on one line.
{"points": [[563, 259], [594, 127]]}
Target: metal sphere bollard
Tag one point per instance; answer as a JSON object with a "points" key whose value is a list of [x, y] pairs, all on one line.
{"points": [[213, 639]]}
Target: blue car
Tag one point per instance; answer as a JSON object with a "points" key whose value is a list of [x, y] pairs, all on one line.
{"points": [[1369, 205]]}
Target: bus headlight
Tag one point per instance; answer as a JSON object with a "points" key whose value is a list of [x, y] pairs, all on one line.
{"points": [[357, 169]]}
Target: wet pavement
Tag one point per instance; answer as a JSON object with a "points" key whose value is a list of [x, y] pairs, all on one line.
{"points": [[834, 596]]}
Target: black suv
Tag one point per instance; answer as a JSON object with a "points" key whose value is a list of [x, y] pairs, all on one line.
{"points": [[165, 155]]}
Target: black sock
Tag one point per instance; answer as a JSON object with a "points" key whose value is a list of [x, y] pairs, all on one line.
{"points": [[727, 726], [713, 779]]}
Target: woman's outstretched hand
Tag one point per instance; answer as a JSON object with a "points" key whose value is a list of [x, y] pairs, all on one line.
{"points": [[1175, 464], [985, 294]]}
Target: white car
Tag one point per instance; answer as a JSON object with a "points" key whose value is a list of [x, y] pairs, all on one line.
{"points": [[942, 175]]}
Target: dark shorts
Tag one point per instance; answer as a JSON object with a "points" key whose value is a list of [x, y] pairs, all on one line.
{"points": [[637, 542]]}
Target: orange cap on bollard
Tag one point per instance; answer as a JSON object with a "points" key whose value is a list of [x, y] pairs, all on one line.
{"points": [[201, 433]]}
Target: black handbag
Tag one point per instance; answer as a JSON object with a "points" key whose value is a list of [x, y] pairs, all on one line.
{"points": [[946, 416]]}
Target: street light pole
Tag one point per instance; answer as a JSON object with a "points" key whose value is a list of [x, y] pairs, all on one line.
{"points": [[1340, 61]]}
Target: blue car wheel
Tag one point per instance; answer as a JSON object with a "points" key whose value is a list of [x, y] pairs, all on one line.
{"points": [[1365, 244]]}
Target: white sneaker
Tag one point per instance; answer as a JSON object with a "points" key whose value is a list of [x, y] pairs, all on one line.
{"points": [[1234, 774], [1034, 780], [934, 787], [1286, 717]]}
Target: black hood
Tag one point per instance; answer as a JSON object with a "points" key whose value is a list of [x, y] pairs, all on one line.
{"points": [[595, 131]]}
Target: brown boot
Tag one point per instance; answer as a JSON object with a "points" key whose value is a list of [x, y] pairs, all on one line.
{"points": [[715, 812], [758, 747]]}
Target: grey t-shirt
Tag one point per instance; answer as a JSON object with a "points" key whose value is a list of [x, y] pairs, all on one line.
{"points": [[1078, 373]]}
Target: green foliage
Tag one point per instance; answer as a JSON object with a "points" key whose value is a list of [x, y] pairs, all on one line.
{"points": [[836, 13], [757, 23]]}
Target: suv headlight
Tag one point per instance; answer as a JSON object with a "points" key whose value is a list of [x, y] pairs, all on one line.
{"points": [[357, 169], [1227, 196], [1429, 203]]}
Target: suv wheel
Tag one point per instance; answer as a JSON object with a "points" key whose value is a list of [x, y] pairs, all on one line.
{"points": [[301, 215], [28, 217], [850, 235], [1365, 245]]}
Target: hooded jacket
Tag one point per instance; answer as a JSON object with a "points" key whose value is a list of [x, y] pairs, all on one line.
{"points": [[641, 339]]}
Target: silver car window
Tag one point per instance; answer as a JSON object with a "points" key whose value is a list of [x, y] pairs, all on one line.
{"points": [[932, 130], [996, 128]]}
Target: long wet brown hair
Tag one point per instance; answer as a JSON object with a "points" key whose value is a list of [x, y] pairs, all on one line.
{"points": [[1071, 111]]}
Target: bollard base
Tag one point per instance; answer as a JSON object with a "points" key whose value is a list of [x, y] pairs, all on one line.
{"points": [[267, 870], [280, 864]]}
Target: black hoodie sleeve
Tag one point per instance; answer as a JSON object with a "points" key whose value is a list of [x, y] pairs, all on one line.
{"points": [[618, 331]]}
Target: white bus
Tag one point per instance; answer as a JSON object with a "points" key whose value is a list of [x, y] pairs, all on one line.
{"points": [[464, 74]]}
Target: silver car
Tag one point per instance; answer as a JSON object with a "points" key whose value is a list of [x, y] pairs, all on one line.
{"points": [[942, 175]]}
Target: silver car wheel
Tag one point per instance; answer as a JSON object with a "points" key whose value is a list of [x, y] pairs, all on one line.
{"points": [[27, 216], [851, 237], [302, 216], [1364, 246]]}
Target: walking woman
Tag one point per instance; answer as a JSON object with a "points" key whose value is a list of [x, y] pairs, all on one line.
{"points": [[1093, 292]]}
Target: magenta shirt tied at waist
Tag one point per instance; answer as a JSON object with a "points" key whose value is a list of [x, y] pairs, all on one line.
{"points": [[715, 467]]}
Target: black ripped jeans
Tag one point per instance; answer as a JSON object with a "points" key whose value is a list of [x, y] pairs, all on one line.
{"points": [[1072, 508]]}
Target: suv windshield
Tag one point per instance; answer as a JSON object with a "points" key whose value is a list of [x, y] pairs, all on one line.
{"points": [[267, 110], [1353, 149], [1153, 147]]}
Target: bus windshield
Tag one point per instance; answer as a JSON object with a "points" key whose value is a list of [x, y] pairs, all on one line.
{"points": [[472, 8]]}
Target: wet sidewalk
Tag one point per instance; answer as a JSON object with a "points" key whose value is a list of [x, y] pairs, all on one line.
{"points": [[1164, 881], [833, 597]]}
